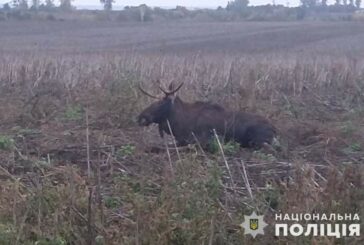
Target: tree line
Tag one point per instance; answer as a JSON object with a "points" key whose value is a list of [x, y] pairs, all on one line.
{"points": [[235, 5], [48, 4]]}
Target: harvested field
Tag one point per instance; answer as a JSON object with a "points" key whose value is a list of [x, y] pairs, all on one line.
{"points": [[233, 38], [75, 168]]}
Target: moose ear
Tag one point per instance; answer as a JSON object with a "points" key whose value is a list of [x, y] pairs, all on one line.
{"points": [[171, 86]]}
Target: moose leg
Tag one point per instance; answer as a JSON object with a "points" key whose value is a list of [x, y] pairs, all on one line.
{"points": [[161, 129], [203, 138], [181, 143]]}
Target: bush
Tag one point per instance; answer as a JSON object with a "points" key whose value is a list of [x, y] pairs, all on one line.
{"points": [[238, 6], [2, 16], [134, 14], [20, 15], [50, 17]]}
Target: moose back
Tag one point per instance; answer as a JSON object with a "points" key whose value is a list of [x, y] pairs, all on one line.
{"points": [[189, 122]]}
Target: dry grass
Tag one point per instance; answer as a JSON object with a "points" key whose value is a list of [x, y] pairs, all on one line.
{"points": [[132, 195]]}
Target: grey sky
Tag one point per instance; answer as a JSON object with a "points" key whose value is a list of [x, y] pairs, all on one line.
{"points": [[188, 3]]}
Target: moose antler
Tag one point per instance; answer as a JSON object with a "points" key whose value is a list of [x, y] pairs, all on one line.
{"points": [[146, 93], [171, 92]]}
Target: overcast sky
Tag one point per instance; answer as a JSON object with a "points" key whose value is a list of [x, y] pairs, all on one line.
{"points": [[187, 3]]}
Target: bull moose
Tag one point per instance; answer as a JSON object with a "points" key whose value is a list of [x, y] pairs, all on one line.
{"points": [[189, 122]]}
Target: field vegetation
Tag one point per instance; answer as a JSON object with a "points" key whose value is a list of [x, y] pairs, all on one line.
{"points": [[75, 168]]}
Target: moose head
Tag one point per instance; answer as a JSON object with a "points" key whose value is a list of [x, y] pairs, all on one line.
{"points": [[159, 111]]}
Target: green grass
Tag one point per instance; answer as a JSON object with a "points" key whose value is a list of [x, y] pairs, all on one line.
{"points": [[125, 151], [229, 148], [73, 113], [6, 142]]}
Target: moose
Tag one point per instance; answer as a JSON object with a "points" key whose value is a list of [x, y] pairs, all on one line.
{"points": [[191, 122]]}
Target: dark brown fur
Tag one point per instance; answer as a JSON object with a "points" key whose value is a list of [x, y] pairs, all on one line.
{"points": [[200, 118]]}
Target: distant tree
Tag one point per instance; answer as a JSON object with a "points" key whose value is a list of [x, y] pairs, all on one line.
{"points": [[66, 5], [309, 3], [23, 4], [20, 4], [301, 13], [358, 3], [142, 11], [35, 4], [337, 2], [237, 5], [313, 3], [351, 3], [6, 7], [345, 2], [15, 3], [107, 4], [49, 4], [324, 3]]}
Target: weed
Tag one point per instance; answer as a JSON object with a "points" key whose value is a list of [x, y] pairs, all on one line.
{"points": [[55, 241], [27, 131], [229, 148], [6, 143], [7, 234], [73, 113], [354, 147], [100, 240], [264, 156], [277, 143], [112, 202], [271, 196], [348, 128], [213, 184], [125, 151], [213, 146]]}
